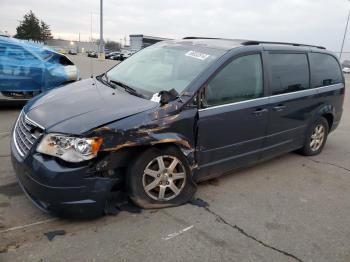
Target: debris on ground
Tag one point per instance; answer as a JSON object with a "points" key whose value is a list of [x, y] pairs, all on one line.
{"points": [[51, 235], [9, 247], [198, 202], [120, 202]]}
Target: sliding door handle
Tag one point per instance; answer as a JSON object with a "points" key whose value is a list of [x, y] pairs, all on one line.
{"points": [[279, 108], [259, 112]]}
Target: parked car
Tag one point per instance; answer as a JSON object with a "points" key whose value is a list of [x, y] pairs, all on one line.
{"points": [[59, 50], [92, 54], [175, 113], [111, 55], [346, 70], [72, 52], [124, 56], [115, 57], [28, 69]]}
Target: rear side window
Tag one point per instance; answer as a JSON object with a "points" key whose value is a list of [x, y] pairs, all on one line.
{"points": [[18, 53], [289, 73], [240, 80], [325, 70]]}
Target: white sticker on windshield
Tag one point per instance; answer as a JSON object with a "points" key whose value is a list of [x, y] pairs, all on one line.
{"points": [[197, 55]]}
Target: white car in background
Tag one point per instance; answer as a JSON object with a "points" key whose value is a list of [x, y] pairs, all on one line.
{"points": [[346, 70]]}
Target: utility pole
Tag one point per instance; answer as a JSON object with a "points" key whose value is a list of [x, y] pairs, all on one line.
{"points": [[78, 45], [102, 47], [91, 27], [346, 29]]}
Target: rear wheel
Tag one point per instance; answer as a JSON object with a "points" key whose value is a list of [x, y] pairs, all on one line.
{"points": [[160, 178], [316, 138]]}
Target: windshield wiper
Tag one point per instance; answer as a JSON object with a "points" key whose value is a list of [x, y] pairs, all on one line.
{"points": [[104, 79], [112, 83], [127, 88]]}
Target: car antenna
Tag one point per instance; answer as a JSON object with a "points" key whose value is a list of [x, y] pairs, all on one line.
{"points": [[91, 45]]}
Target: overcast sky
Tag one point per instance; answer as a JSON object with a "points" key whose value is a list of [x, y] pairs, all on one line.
{"points": [[320, 22]]}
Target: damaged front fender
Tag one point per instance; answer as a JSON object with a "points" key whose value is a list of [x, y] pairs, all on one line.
{"points": [[151, 129]]}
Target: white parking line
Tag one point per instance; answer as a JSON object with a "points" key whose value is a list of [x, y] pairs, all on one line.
{"points": [[4, 133], [170, 236], [28, 225]]}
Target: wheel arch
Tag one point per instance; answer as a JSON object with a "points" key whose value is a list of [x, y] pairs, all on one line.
{"points": [[119, 155], [327, 112]]}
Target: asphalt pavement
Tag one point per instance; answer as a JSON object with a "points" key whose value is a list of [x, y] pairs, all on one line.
{"points": [[292, 208]]}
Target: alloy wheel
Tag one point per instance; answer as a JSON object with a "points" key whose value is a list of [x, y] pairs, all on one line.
{"points": [[164, 178], [317, 137]]}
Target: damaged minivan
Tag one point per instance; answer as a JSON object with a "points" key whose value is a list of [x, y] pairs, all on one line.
{"points": [[172, 115], [28, 69]]}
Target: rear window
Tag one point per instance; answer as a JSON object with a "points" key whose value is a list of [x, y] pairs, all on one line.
{"points": [[289, 73], [325, 70]]}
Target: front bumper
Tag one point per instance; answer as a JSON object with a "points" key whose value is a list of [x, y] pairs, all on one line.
{"points": [[59, 189]]}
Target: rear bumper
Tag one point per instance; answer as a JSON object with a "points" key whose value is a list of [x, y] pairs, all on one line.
{"points": [[58, 189]]}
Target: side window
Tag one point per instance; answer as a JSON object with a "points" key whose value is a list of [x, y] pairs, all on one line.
{"points": [[289, 73], [240, 80], [18, 53], [325, 70]]}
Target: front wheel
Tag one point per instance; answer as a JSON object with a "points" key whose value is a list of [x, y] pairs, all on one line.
{"points": [[316, 138], [160, 178]]}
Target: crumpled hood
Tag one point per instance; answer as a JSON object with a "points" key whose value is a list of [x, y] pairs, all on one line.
{"points": [[79, 107]]}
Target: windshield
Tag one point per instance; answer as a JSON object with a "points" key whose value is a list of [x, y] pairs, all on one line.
{"points": [[163, 67]]}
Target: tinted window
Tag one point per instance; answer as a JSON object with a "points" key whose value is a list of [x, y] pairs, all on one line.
{"points": [[325, 70], [240, 80], [289, 73]]}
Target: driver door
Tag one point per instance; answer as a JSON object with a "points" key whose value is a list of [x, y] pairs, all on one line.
{"points": [[233, 124]]}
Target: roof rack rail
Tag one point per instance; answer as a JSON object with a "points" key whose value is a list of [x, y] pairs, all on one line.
{"points": [[198, 37], [253, 42]]}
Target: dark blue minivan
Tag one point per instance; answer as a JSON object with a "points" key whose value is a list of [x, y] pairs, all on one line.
{"points": [[174, 114]]}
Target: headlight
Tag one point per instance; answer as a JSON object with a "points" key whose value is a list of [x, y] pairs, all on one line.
{"points": [[68, 148]]}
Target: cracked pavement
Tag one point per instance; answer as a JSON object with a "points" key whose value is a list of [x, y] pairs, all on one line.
{"points": [[291, 208], [243, 232]]}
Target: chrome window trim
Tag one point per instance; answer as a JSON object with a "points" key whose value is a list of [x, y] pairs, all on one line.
{"points": [[339, 86]]}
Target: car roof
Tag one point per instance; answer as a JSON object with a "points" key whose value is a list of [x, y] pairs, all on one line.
{"points": [[31, 47], [228, 44]]}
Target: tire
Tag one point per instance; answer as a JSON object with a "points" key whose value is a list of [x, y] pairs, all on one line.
{"points": [[151, 186], [312, 148]]}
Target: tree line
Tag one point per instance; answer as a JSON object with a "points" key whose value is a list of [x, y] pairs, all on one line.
{"points": [[31, 28]]}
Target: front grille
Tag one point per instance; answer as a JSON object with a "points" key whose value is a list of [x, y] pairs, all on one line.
{"points": [[26, 134]]}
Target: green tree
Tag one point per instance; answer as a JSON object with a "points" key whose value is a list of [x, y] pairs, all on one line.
{"points": [[45, 31], [30, 28], [112, 46]]}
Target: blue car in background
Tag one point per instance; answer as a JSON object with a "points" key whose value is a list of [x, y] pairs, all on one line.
{"points": [[27, 69]]}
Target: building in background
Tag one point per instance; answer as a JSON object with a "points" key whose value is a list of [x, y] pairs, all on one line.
{"points": [[139, 41]]}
